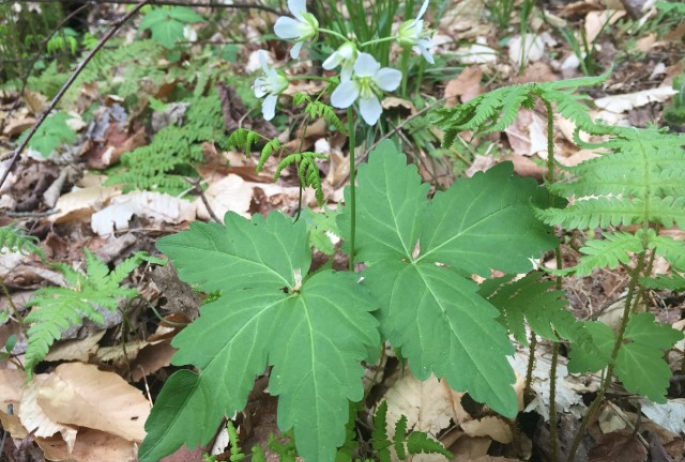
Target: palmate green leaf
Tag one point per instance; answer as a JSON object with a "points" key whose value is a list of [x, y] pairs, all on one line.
{"points": [[418, 255], [444, 327], [486, 223], [314, 330], [391, 202], [639, 362]]}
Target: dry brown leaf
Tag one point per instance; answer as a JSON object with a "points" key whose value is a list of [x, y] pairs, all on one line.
{"points": [[91, 446], [392, 102], [81, 204], [466, 85], [524, 166], [82, 395], [11, 381], [33, 416], [620, 446], [158, 207], [151, 359], [75, 350], [595, 21], [426, 404], [528, 134], [626, 102], [231, 193], [468, 448]]}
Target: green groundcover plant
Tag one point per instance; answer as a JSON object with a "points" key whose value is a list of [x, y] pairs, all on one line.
{"points": [[316, 329]]}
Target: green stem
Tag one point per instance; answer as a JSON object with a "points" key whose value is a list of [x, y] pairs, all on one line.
{"points": [[332, 32], [404, 65], [528, 389], [376, 41], [553, 436], [630, 301], [353, 205]]}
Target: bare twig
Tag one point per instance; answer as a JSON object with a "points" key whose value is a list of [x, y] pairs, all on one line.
{"points": [[198, 188], [210, 4], [68, 84], [361, 158]]}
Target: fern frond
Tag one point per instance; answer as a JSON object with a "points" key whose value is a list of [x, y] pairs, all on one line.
{"points": [[55, 309], [594, 213], [533, 299], [676, 283], [268, 151], [609, 253], [316, 109], [400, 437], [496, 110], [419, 442], [14, 240], [242, 139], [307, 170], [380, 441], [670, 249]]}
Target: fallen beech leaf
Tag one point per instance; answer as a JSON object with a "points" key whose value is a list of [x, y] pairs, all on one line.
{"points": [[623, 103], [82, 395], [75, 350], [466, 85], [152, 205], [34, 418], [595, 21], [91, 446], [619, 446], [228, 194], [426, 404], [79, 205]]}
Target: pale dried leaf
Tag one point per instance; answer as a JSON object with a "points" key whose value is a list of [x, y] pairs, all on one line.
{"points": [[671, 415], [82, 395], [91, 446], [626, 102], [80, 204], [426, 404], [231, 193], [466, 85], [75, 350], [158, 207], [32, 415]]}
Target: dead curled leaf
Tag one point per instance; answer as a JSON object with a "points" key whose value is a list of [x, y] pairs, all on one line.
{"points": [[621, 446]]}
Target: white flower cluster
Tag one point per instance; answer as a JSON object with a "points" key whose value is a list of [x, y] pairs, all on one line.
{"points": [[361, 76]]}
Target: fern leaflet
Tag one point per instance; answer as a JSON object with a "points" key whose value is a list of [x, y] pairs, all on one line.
{"points": [[55, 309], [14, 240]]}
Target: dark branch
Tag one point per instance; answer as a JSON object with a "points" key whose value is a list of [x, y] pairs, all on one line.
{"points": [[69, 83], [191, 4]]}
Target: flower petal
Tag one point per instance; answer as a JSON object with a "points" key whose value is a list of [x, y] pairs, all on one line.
{"points": [[332, 61], [345, 95], [287, 28], [263, 62], [423, 9], [295, 51], [260, 87], [425, 46], [346, 72], [366, 65], [388, 79], [297, 7], [371, 109], [269, 107]]}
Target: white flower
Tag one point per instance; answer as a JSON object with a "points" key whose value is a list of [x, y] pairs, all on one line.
{"points": [[271, 85], [367, 83], [412, 33], [345, 55], [303, 27]]}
